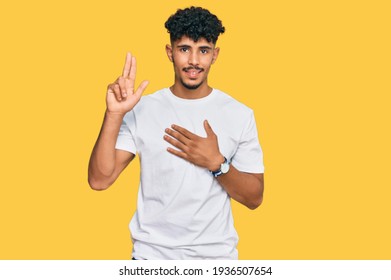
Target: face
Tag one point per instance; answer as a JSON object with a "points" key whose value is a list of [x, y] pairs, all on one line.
{"points": [[192, 61]]}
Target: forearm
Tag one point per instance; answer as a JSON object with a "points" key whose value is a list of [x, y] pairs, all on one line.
{"points": [[103, 158], [246, 188]]}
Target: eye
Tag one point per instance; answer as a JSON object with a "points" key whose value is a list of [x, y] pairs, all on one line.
{"points": [[204, 51], [184, 49]]}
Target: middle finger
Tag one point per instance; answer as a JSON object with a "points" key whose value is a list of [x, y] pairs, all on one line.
{"points": [[177, 135]]}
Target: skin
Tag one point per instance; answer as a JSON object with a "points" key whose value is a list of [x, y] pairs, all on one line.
{"points": [[106, 163], [191, 61]]}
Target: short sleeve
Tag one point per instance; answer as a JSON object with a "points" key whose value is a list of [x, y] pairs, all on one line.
{"points": [[125, 139], [249, 156]]}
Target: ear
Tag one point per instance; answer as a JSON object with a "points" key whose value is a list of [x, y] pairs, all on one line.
{"points": [[169, 52], [215, 54]]}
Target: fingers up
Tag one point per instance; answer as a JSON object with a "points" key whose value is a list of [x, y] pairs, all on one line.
{"points": [[127, 66], [124, 85]]}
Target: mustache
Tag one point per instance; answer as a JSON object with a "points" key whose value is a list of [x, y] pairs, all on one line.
{"points": [[193, 68]]}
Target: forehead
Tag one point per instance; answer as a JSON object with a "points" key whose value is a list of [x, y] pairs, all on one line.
{"points": [[186, 41]]}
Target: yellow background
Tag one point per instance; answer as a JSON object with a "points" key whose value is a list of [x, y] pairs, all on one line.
{"points": [[316, 73]]}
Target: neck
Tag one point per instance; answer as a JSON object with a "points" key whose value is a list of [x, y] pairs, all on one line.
{"points": [[181, 91]]}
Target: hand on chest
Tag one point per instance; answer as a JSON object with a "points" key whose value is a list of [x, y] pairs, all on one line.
{"points": [[152, 131]]}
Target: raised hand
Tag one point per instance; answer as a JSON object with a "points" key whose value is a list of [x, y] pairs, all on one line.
{"points": [[198, 150], [121, 96]]}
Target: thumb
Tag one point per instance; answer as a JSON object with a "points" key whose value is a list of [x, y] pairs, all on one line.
{"points": [[141, 88], [208, 129]]}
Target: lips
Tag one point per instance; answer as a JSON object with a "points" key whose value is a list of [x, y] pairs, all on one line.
{"points": [[193, 72]]}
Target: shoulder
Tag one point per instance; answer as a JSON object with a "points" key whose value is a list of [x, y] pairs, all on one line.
{"points": [[147, 103], [228, 103], [151, 100], [153, 97]]}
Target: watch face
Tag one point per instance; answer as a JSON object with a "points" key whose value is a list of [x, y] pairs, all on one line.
{"points": [[224, 167]]}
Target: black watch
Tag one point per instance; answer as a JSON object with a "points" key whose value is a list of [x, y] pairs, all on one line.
{"points": [[224, 168]]}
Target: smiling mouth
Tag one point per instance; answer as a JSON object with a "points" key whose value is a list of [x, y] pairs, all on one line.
{"points": [[193, 71]]}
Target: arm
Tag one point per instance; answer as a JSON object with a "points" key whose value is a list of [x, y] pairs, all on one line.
{"points": [[106, 163], [246, 188]]}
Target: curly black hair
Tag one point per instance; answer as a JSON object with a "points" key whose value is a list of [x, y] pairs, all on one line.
{"points": [[195, 23]]}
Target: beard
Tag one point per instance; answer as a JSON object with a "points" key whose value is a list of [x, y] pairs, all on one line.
{"points": [[187, 86], [191, 87]]}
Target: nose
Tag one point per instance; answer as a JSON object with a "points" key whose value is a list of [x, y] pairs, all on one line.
{"points": [[193, 58]]}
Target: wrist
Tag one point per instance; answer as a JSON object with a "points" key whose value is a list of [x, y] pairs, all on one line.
{"points": [[114, 115], [113, 119], [223, 169], [216, 163]]}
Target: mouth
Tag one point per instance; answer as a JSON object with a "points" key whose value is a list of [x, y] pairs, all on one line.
{"points": [[193, 72]]}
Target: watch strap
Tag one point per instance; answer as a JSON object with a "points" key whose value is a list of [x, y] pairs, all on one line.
{"points": [[218, 172]]}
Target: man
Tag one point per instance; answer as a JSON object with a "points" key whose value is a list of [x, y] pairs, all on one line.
{"points": [[198, 148]]}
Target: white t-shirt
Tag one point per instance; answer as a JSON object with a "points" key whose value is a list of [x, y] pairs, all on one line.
{"points": [[182, 210]]}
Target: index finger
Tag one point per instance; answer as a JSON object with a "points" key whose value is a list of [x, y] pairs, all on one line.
{"points": [[128, 65], [184, 131]]}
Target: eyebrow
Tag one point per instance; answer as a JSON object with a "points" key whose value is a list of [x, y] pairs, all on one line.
{"points": [[188, 46]]}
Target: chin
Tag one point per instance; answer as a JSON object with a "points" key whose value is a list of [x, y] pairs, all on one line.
{"points": [[191, 86]]}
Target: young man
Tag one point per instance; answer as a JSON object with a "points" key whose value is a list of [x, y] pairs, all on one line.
{"points": [[198, 148]]}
